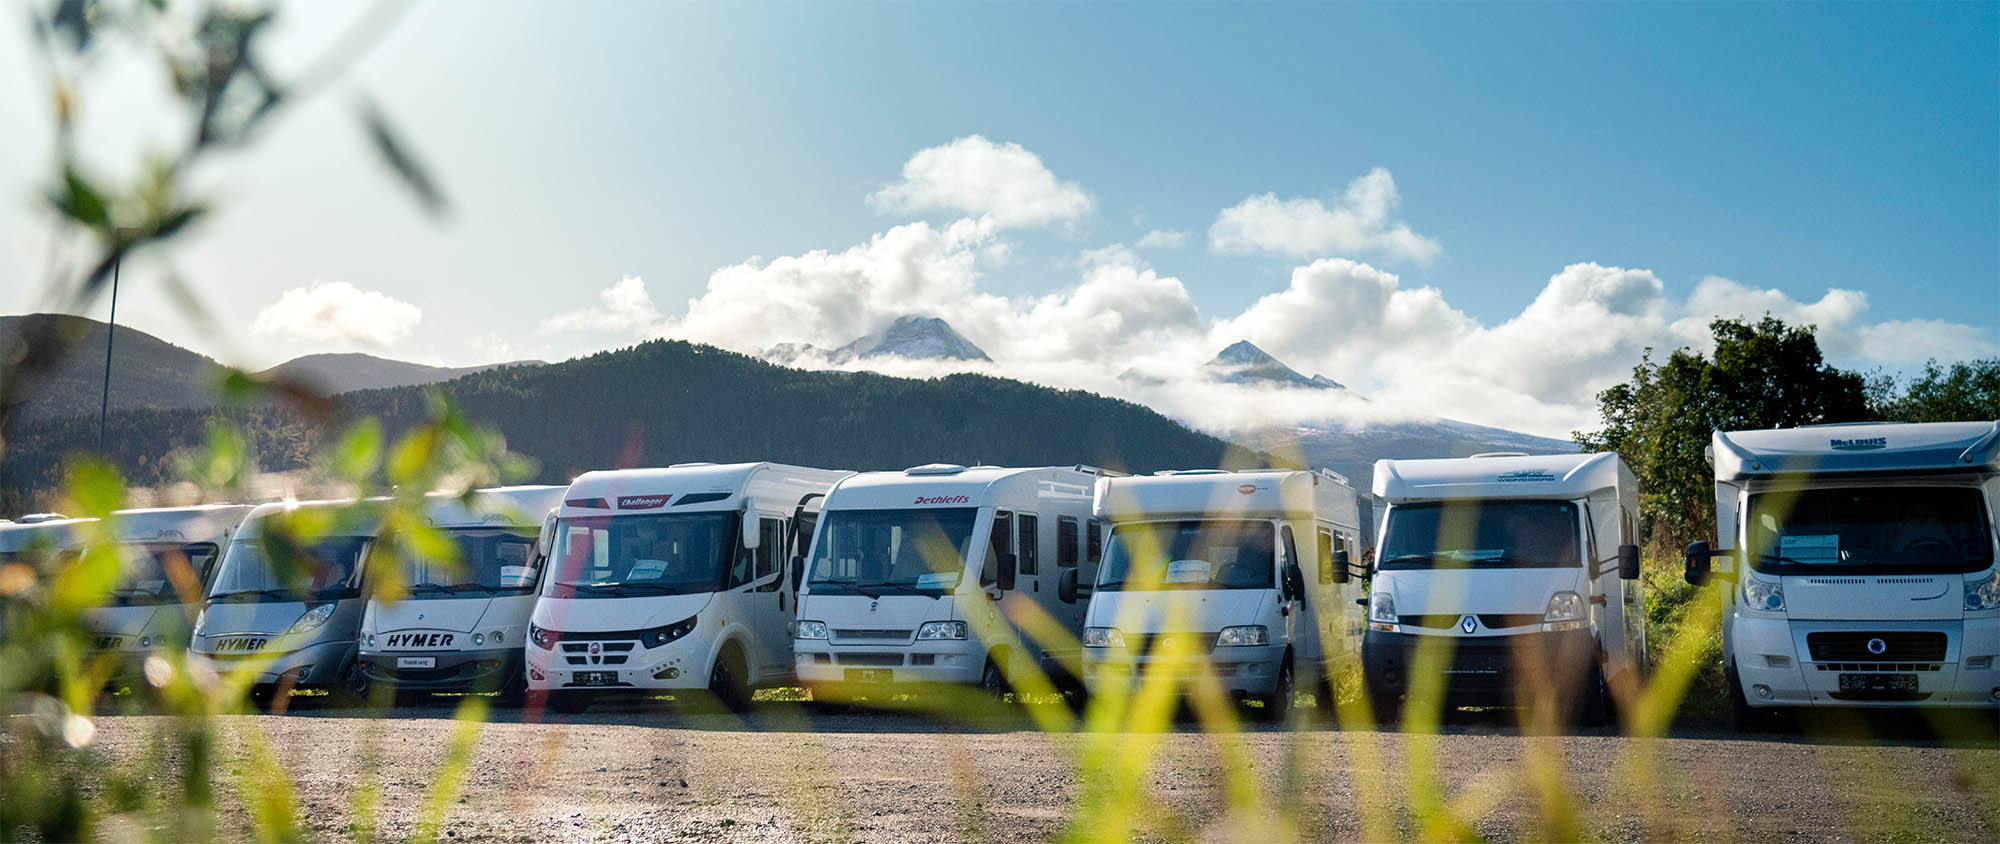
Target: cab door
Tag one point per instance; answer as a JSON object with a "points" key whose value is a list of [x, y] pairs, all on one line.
{"points": [[757, 581]]}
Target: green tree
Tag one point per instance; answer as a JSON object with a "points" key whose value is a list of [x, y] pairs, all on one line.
{"points": [[1763, 374], [1966, 391]]}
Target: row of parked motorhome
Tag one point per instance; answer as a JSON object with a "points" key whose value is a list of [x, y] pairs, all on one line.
{"points": [[1860, 562]]}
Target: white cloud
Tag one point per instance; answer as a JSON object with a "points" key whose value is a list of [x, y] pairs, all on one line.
{"points": [[1004, 184], [624, 307], [1163, 239], [338, 312], [1362, 221]]}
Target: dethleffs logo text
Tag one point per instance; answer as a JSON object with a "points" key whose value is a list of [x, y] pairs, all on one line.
{"points": [[419, 640], [1526, 476], [943, 499], [1859, 444], [642, 502]]}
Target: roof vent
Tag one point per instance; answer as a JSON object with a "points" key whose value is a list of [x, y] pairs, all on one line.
{"points": [[689, 465], [38, 518], [1484, 455], [1195, 472], [935, 469]]}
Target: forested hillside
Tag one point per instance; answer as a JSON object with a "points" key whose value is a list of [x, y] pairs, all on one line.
{"points": [[146, 372], [668, 401]]}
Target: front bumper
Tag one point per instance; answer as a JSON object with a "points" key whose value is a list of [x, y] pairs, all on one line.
{"points": [[316, 666], [487, 670], [1240, 670], [1775, 664], [941, 662], [618, 666], [1481, 670]]}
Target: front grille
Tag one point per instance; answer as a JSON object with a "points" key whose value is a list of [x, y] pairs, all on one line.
{"points": [[614, 653], [1880, 666], [870, 659], [1437, 621], [1901, 646], [872, 634], [1147, 643], [1504, 620]]}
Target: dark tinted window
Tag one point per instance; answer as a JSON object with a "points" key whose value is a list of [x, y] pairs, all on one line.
{"points": [[1937, 529], [1482, 534]]}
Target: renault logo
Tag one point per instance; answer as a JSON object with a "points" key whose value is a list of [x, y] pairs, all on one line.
{"points": [[1467, 624], [1877, 647], [873, 604]]}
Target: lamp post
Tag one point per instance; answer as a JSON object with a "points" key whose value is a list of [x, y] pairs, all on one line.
{"points": [[110, 334]]}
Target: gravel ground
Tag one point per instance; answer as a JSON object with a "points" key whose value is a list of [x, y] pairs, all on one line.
{"points": [[779, 774]]}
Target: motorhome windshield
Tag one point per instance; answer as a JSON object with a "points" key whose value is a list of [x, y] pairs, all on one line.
{"points": [[634, 556], [148, 577], [1204, 554], [1481, 535], [492, 561], [908, 550], [261, 569], [1859, 530]]}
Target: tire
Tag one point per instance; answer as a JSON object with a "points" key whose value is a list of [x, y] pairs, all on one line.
{"points": [[726, 681], [569, 703], [1596, 709], [1388, 707], [1325, 706], [993, 681], [1278, 704], [1744, 717]]}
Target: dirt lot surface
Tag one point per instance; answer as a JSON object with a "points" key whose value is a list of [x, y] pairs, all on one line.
{"points": [[647, 774]]}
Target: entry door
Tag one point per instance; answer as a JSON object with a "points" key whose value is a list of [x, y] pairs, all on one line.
{"points": [[770, 610]]}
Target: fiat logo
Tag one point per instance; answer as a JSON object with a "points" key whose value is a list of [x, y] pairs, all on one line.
{"points": [[596, 648], [1246, 489], [1877, 647], [1467, 624]]}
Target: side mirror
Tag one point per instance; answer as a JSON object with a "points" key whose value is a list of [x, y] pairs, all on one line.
{"points": [[1697, 559], [752, 535], [1342, 567], [1066, 588], [798, 573], [1628, 562], [1005, 578], [1295, 582]]}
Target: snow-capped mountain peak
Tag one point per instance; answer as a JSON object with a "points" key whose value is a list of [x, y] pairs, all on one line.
{"points": [[1244, 363], [915, 337]]}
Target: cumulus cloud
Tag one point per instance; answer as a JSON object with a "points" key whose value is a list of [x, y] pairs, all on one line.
{"points": [[1163, 239], [338, 312], [624, 307], [1004, 185], [1361, 221]]}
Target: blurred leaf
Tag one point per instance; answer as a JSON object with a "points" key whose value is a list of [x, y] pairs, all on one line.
{"points": [[384, 136], [94, 487], [412, 455], [78, 200], [173, 222], [225, 458], [359, 450]]}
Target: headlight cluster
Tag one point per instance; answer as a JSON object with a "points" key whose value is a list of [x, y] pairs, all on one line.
{"points": [[311, 620], [937, 630], [1103, 637], [1243, 636], [1984, 593], [661, 635], [1763, 595], [1565, 612], [1382, 612], [543, 638], [809, 630]]}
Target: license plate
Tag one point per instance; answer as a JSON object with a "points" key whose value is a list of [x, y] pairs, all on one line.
{"points": [[868, 675], [416, 662], [1878, 682], [594, 678]]}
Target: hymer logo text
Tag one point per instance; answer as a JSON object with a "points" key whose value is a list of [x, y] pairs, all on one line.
{"points": [[239, 645], [419, 640]]}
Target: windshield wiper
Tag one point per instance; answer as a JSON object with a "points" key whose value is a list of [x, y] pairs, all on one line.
{"points": [[1111, 584], [652, 588], [1411, 558], [429, 587], [849, 585], [1786, 561], [905, 588], [597, 588], [259, 593]]}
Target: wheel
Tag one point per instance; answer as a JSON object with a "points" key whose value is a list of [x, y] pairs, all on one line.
{"points": [[727, 683], [514, 692], [1388, 707], [1325, 706], [1744, 717], [1277, 707], [993, 681], [569, 703], [1596, 709]]}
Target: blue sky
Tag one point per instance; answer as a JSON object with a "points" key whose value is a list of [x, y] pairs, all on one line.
{"points": [[1794, 150]]}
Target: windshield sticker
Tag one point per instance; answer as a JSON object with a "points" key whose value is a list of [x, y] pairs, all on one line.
{"points": [[1823, 548], [1526, 476], [647, 570], [942, 499], [1190, 571], [937, 580], [642, 502], [1859, 443]]}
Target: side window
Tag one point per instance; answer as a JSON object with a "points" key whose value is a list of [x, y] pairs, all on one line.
{"points": [[1030, 545], [1326, 548], [999, 542], [1093, 543], [1291, 549], [1067, 540], [770, 551]]}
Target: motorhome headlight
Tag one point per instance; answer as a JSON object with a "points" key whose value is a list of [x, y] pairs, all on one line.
{"points": [[1382, 608], [311, 620], [478, 639], [1564, 606], [499, 637], [1763, 595], [542, 637], [1243, 635], [1103, 637], [1984, 593], [661, 635], [809, 630], [935, 630]]}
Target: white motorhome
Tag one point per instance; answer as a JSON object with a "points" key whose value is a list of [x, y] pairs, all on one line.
{"points": [[168, 556], [1205, 571], [898, 593], [1520, 570], [1859, 563], [673, 579], [462, 627], [290, 610]]}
